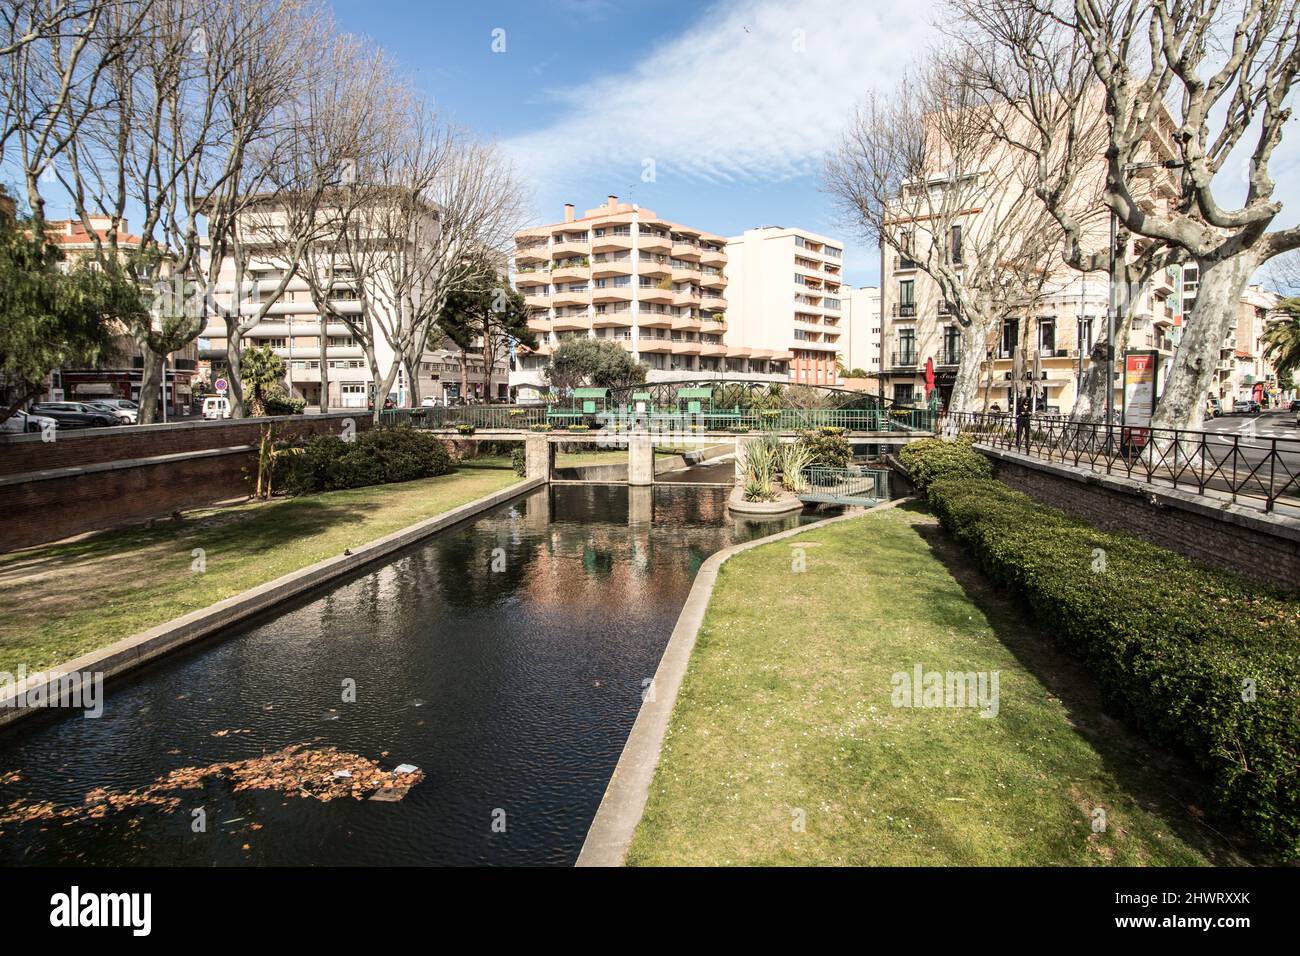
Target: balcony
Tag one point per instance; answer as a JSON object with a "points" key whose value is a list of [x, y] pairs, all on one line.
{"points": [[653, 243], [612, 293], [903, 310], [534, 252], [538, 301], [654, 320], [613, 319], [684, 323], [653, 268], [570, 247], [527, 277], [948, 358], [539, 325], [903, 359], [653, 293], [611, 267], [574, 271], [718, 281], [571, 323], [713, 257], [686, 250], [571, 297], [713, 327], [611, 241]]}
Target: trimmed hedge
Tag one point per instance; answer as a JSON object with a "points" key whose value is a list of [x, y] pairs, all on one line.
{"points": [[1174, 646], [932, 458], [377, 456]]}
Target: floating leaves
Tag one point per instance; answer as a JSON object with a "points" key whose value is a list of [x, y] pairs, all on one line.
{"points": [[322, 773]]}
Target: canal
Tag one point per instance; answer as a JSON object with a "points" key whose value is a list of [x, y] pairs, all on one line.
{"points": [[505, 658]]}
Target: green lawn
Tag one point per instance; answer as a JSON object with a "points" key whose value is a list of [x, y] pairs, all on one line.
{"points": [[62, 600], [786, 715]]}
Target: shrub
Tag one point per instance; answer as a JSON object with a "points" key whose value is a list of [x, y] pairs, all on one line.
{"points": [[519, 461], [377, 456], [795, 457], [540, 427], [930, 459], [1172, 644], [464, 428], [828, 451], [278, 403]]}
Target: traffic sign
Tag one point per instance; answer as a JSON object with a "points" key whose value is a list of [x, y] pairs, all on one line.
{"points": [[219, 385]]}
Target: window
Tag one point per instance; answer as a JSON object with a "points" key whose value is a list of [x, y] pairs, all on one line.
{"points": [[277, 343], [951, 345], [1085, 333], [903, 393], [1010, 337], [956, 245], [1047, 335], [907, 297]]}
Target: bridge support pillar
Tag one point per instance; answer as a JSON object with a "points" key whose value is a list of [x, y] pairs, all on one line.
{"points": [[640, 460], [539, 457]]}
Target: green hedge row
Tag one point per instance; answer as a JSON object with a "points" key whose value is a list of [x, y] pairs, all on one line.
{"points": [[931, 458], [1195, 658], [377, 456]]}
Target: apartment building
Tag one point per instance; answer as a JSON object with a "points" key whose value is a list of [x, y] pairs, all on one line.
{"points": [[862, 333], [785, 289], [622, 273], [1243, 373], [118, 374], [294, 329]]}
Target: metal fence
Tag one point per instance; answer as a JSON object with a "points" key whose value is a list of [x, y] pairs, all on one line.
{"points": [[1241, 464], [516, 417], [846, 486]]}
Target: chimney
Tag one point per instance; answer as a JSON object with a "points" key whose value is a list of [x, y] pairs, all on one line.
{"points": [[568, 212], [613, 201]]}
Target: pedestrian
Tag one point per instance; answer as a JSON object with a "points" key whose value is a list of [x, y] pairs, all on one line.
{"points": [[1022, 421]]}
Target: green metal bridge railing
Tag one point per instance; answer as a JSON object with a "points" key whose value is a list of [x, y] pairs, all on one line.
{"points": [[847, 486], [520, 417]]}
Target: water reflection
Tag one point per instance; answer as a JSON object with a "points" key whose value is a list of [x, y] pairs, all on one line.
{"points": [[506, 658]]}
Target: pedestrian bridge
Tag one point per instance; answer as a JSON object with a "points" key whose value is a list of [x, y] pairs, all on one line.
{"points": [[862, 487]]}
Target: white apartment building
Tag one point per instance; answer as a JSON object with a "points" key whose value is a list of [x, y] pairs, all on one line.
{"points": [[862, 330], [292, 326], [624, 274], [784, 285]]}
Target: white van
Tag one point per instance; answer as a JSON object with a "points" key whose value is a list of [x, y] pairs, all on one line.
{"points": [[216, 407]]}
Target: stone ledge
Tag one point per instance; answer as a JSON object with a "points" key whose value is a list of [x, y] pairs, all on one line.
{"points": [[137, 650], [74, 471]]}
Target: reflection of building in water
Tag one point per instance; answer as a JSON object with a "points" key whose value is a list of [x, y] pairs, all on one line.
{"points": [[640, 505]]}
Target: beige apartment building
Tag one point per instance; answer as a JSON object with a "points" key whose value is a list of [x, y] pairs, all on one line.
{"points": [[622, 273], [294, 329], [785, 287]]}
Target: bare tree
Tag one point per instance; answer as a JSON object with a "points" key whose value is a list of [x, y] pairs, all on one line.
{"points": [[920, 176], [1184, 85], [426, 198], [54, 55]]}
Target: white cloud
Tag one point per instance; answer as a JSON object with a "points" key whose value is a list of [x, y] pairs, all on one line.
{"points": [[755, 91]]}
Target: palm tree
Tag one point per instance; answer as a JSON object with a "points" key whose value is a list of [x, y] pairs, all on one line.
{"points": [[1282, 341], [261, 372]]}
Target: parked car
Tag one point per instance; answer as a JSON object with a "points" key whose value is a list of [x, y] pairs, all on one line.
{"points": [[1245, 406], [23, 422], [1295, 404], [123, 416], [215, 407], [122, 405], [75, 414], [1213, 408]]}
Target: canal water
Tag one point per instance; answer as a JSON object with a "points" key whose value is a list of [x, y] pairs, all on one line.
{"points": [[505, 658]]}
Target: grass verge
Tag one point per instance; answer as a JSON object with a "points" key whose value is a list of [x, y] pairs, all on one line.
{"points": [[784, 746], [63, 600]]}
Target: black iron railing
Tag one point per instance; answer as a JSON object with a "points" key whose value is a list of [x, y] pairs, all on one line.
{"points": [[1239, 464]]}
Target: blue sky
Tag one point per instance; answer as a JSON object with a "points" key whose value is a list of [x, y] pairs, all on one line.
{"points": [[729, 104]]}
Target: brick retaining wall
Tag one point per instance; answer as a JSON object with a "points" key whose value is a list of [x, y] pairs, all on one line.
{"points": [[1212, 532], [93, 479]]}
